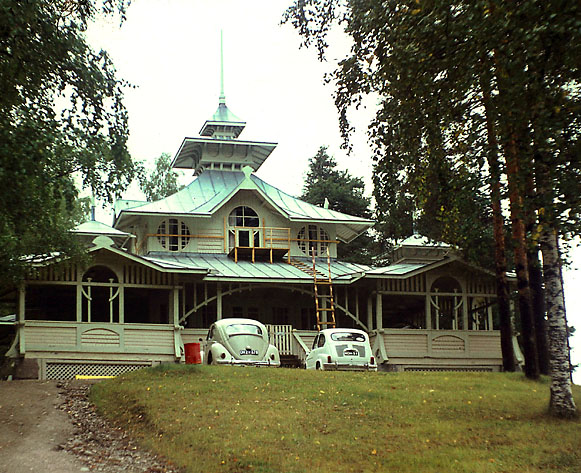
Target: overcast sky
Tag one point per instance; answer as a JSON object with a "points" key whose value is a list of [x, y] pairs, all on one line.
{"points": [[170, 50]]}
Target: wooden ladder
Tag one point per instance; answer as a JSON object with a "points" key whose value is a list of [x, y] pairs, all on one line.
{"points": [[324, 302]]}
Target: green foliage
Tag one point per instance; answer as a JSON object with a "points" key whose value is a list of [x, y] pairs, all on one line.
{"points": [[62, 123], [217, 419], [162, 181], [344, 193], [430, 64]]}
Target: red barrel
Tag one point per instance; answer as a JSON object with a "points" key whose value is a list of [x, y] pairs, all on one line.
{"points": [[193, 356]]}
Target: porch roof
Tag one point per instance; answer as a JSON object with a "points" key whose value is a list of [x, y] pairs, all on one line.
{"points": [[223, 268], [92, 227], [397, 269]]}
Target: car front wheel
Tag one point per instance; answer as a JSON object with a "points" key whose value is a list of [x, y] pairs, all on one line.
{"points": [[319, 366]]}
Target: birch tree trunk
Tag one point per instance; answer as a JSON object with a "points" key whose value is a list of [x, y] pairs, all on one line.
{"points": [[562, 403], [539, 309]]}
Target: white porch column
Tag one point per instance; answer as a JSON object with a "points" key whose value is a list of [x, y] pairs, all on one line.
{"points": [[370, 313], [21, 313], [379, 311], [21, 302], [218, 301], [175, 306], [428, 312], [357, 304], [489, 313], [465, 311], [79, 301], [121, 304]]}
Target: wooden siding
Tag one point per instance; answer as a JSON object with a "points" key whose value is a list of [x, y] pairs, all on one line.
{"points": [[448, 343], [55, 272], [100, 337], [139, 274], [485, 345], [193, 335], [151, 341], [412, 344], [437, 347], [93, 339], [476, 285], [60, 337], [412, 285]]}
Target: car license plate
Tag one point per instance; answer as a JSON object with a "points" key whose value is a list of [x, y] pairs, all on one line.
{"points": [[248, 351], [350, 352]]}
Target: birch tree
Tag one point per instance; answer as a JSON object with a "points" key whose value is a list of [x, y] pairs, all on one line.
{"points": [[503, 72]]}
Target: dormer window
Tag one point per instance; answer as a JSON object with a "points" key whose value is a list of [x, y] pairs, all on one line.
{"points": [[173, 234], [243, 217], [243, 221], [313, 240]]}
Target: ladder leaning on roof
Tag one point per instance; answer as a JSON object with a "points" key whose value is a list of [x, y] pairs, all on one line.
{"points": [[324, 302]]}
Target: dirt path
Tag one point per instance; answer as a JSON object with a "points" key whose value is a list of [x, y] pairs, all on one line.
{"points": [[32, 427], [47, 427]]}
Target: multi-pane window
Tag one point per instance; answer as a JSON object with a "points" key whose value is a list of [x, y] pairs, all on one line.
{"points": [[315, 239], [241, 220], [243, 217], [173, 234]]}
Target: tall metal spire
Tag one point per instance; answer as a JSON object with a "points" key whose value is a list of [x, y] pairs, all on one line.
{"points": [[223, 124], [222, 96]]}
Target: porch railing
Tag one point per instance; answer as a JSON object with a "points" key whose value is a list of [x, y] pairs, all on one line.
{"points": [[281, 337]]}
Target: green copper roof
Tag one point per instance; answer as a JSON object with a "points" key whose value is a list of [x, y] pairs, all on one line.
{"points": [[212, 189], [92, 227], [224, 121], [222, 267], [224, 115]]}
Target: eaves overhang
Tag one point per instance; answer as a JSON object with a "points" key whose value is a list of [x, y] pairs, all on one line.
{"points": [[392, 272], [194, 153], [147, 262], [232, 279]]}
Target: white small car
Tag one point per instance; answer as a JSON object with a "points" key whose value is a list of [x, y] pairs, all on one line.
{"points": [[341, 349], [239, 342]]}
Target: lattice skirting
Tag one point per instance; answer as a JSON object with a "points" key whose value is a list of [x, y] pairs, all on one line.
{"points": [[438, 368], [68, 370]]}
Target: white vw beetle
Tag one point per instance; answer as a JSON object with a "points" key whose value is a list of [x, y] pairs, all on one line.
{"points": [[239, 342], [341, 349]]}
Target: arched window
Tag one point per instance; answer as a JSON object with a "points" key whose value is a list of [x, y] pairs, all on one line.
{"points": [[100, 290], [100, 274], [243, 217], [447, 304], [313, 240], [173, 234], [242, 221]]}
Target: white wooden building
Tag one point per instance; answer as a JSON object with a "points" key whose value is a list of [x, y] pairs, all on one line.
{"points": [[231, 245]]}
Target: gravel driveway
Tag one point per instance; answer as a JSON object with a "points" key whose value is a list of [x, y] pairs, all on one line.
{"points": [[47, 426]]}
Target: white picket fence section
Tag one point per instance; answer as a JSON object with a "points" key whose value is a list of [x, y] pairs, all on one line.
{"points": [[281, 337]]}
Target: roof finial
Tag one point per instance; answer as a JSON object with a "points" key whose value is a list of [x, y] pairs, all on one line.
{"points": [[222, 96]]}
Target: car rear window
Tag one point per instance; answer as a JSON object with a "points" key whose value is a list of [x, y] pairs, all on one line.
{"points": [[347, 337], [236, 329]]}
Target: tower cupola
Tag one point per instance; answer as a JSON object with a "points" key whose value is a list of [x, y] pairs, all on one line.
{"points": [[218, 146]]}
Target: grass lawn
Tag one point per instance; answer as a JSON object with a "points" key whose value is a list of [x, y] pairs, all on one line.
{"points": [[221, 419]]}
